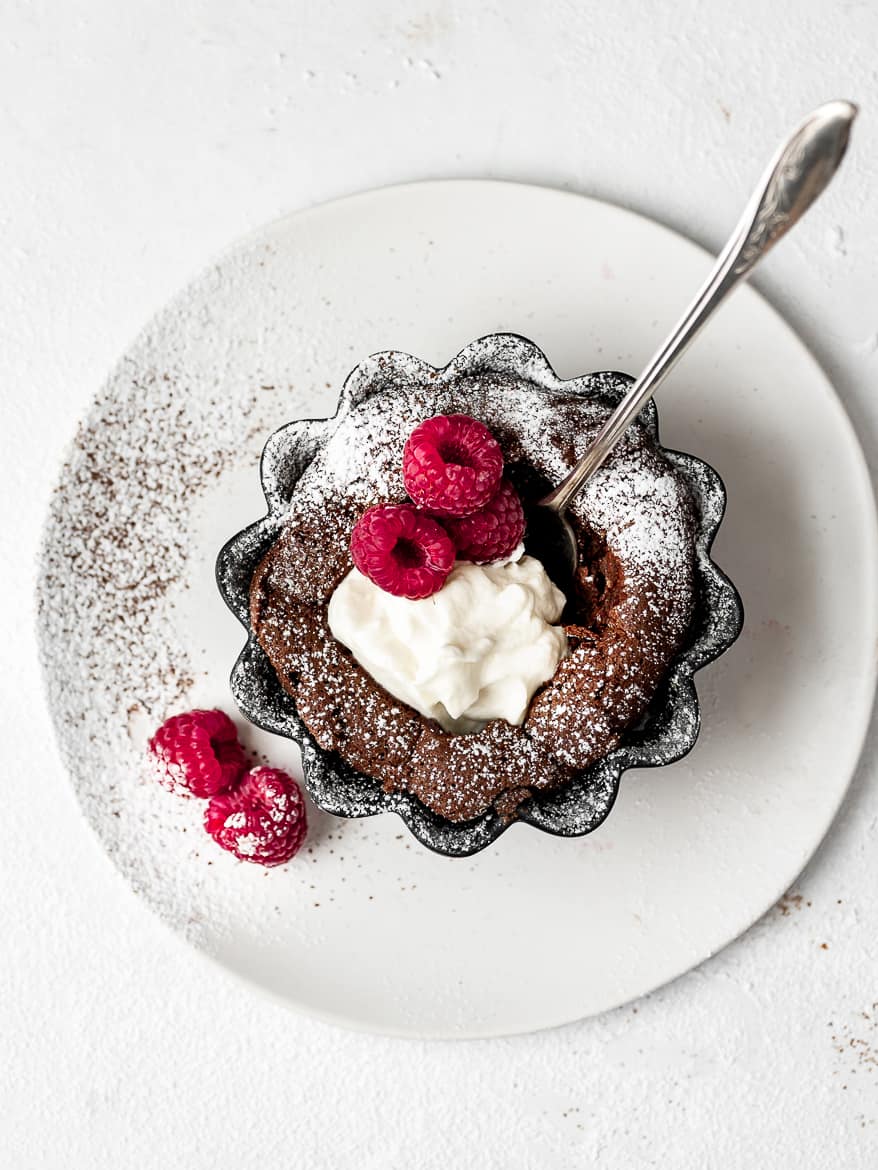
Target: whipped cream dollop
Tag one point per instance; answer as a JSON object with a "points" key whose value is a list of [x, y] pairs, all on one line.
{"points": [[477, 650]]}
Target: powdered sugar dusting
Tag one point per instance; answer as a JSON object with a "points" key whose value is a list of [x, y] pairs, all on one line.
{"points": [[641, 533], [181, 415], [636, 499]]}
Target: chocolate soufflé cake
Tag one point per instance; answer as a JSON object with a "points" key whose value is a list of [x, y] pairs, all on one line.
{"points": [[626, 617]]}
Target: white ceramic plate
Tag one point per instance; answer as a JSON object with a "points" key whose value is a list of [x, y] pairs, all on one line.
{"points": [[368, 928]]}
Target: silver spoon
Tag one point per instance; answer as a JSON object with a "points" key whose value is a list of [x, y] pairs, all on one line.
{"points": [[798, 173]]}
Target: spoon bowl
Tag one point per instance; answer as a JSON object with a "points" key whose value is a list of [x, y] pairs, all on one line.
{"points": [[549, 537]]}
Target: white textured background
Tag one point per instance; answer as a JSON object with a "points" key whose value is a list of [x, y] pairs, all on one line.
{"points": [[140, 137]]}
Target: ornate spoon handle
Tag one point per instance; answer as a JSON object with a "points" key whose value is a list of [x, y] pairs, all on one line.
{"points": [[798, 173]]}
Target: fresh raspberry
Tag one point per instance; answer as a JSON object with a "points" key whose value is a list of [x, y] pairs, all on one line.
{"points": [[197, 754], [261, 820], [492, 533], [403, 551], [451, 465]]}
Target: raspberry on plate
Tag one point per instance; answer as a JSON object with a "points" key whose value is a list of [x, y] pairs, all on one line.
{"points": [[197, 754], [403, 551], [451, 465], [261, 820], [494, 532]]}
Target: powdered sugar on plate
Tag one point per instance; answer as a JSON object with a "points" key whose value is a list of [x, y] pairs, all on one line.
{"points": [[123, 575]]}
